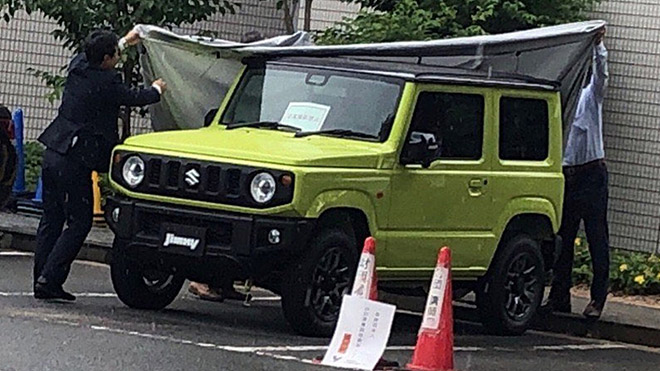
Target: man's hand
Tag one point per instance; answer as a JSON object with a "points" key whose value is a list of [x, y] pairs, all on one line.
{"points": [[161, 84], [132, 38], [599, 36]]}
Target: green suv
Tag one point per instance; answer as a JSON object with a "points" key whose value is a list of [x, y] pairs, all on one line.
{"points": [[307, 157]]}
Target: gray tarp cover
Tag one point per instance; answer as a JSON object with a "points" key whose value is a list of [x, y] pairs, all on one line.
{"points": [[199, 71]]}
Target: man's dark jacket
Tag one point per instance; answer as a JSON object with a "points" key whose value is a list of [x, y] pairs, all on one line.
{"points": [[86, 123]]}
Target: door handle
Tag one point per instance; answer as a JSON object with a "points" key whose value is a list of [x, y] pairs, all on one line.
{"points": [[475, 187], [476, 183]]}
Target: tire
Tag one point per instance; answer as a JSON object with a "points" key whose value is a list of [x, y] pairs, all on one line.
{"points": [[140, 287], [509, 296], [7, 168], [313, 289]]}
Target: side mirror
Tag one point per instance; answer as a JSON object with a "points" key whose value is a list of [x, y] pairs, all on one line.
{"points": [[210, 115], [420, 149]]}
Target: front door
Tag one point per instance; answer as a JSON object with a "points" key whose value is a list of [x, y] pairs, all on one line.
{"points": [[444, 202]]}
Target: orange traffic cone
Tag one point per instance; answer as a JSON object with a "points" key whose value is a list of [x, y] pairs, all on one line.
{"points": [[435, 341], [366, 282]]}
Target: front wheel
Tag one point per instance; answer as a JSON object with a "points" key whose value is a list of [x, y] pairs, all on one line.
{"points": [[511, 293], [313, 289], [143, 287]]}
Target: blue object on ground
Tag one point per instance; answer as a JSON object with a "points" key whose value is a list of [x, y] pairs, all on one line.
{"points": [[19, 183]]}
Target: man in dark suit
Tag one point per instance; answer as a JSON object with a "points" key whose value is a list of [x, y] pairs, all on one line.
{"points": [[79, 141]]}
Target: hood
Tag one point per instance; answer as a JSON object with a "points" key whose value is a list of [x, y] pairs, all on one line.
{"points": [[265, 146]]}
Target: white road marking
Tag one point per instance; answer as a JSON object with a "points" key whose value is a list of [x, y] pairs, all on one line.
{"points": [[266, 298], [15, 253], [91, 264], [408, 312], [582, 347], [79, 294], [30, 254], [110, 295]]}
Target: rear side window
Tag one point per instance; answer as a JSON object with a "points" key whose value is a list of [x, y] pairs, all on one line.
{"points": [[523, 129]]}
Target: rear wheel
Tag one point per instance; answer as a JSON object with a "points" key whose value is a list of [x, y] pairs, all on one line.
{"points": [[313, 289], [511, 293], [143, 287]]}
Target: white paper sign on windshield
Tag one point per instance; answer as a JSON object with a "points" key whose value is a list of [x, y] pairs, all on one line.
{"points": [[361, 334], [305, 115]]}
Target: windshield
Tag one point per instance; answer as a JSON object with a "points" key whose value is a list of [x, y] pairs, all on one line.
{"points": [[316, 100]]}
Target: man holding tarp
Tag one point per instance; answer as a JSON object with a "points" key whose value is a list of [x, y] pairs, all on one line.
{"points": [[79, 141], [586, 193]]}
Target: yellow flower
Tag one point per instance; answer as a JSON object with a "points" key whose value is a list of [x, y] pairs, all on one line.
{"points": [[623, 267], [578, 241], [640, 279]]}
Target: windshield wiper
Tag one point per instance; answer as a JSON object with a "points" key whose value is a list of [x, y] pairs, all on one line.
{"points": [[337, 132], [262, 124]]}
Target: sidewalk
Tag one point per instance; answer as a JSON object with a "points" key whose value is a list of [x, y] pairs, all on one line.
{"points": [[23, 228], [635, 322]]}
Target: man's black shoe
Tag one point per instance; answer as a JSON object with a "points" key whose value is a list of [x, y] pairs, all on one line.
{"points": [[46, 291], [594, 309]]}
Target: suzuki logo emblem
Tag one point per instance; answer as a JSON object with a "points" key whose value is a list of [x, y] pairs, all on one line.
{"points": [[192, 177]]}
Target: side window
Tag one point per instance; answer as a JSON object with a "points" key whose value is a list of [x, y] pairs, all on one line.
{"points": [[523, 129], [451, 123]]}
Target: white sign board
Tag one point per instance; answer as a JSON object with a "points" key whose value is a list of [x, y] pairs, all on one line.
{"points": [[305, 115], [361, 335]]}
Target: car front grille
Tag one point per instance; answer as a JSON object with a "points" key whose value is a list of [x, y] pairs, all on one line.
{"points": [[191, 179]]}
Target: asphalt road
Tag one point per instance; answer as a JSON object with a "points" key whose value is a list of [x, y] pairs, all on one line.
{"points": [[98, 333]]}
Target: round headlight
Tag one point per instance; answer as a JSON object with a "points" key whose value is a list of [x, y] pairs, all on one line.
{"points": [[263, 187], [133, 171]]}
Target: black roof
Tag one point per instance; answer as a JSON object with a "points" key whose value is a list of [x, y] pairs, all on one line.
{"points": [[420, 69]]}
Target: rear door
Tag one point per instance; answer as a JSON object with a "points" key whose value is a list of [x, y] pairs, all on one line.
{"points": [[527, 175]]}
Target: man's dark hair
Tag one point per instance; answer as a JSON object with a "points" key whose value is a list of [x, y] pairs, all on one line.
{"points": [[252, 36], [99, 44], [5, 114]]}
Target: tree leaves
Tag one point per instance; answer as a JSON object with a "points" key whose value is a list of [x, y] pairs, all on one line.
{"points": [[390, 20]]}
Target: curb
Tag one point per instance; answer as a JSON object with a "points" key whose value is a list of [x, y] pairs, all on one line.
{"points": [[90, 252], [605, 330], [19, 233]]}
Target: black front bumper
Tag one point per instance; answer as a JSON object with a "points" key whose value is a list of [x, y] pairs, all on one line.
{"points": [[240, 238]]}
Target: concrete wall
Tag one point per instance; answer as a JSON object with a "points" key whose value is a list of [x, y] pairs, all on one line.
{"points": [[632, 122]]}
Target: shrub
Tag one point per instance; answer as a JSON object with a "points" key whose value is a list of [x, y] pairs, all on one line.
{"points": [[33, 152], [631, 273]]}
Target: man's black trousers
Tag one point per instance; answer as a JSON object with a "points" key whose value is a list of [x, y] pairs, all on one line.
{"points": [[585, 198], [67, 199]]}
